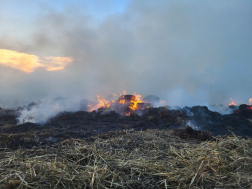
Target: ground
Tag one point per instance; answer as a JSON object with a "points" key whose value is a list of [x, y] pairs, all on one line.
{"points": [[105, 150]]}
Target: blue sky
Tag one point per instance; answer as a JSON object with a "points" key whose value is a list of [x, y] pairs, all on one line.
{"points": [[17, 17], [27, 9]]}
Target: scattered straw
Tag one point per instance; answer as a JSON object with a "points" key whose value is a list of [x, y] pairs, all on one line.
{"points": [[127, 159]]}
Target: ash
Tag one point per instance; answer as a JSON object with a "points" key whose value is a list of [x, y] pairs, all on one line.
{"points": [[87, 125]]}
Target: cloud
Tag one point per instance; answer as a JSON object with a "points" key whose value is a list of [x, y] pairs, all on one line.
{"points": [[56, 63], [28, 62]]}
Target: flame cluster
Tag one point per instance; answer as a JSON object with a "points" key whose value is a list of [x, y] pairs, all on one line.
{"points": [[101, 103], [232, 103], [133, 103]]}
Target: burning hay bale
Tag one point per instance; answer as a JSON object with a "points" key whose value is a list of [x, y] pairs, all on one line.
{"points": [[124, 105]]}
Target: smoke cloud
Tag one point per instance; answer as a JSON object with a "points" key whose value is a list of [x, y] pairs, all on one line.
{"points": [[186, 52]]}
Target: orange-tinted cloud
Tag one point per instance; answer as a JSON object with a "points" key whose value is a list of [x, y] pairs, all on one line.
{"points": [[56, 63], [28, 62]]}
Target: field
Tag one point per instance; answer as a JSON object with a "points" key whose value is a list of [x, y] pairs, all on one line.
{"points": [[131, 159]]}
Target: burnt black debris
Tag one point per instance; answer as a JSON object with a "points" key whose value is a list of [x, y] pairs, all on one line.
{"points": [[245, 111], [8, 117], [85, 125], [219, 124], [190, 133], [233, 107]]}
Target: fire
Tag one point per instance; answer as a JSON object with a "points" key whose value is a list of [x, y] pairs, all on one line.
{"points": [[237, 112], [114, 95], [28, 62], [232, 103], [134, 102], [101, 103], [123, 93], [250, 101], [122, 102]]}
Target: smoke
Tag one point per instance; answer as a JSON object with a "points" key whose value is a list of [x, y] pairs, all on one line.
{"points": [[193, 125], [43, 110], [186, 52]]}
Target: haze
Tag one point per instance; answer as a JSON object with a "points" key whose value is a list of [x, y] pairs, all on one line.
{"points": [[186, 52]]}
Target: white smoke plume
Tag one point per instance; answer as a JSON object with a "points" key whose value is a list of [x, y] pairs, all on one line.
{"points": [[43, 110]]}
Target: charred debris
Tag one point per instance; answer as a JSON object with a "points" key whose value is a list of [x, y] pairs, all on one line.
{"points": [[197, 123]]}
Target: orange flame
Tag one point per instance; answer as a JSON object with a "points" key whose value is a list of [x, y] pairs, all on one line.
{"points": [[135, 100], [114, 95], [250, 101], [102, 103], [123, 93], [133, 104], [122, 102], [232, 103], [127, 113], [237, 112]]}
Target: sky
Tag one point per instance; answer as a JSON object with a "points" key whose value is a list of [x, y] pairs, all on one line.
{"points": [[186, 52]]}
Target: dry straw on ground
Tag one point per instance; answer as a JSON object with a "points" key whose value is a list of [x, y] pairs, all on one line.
{"points": [[131, 159]]}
